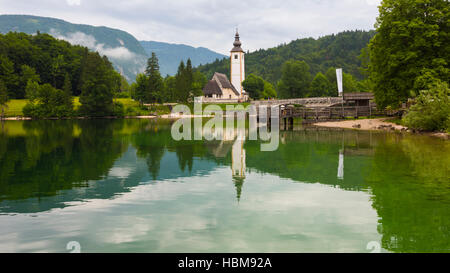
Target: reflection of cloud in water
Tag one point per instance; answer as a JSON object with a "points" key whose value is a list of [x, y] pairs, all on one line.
{"points": [[201, 214], [120, 172]]}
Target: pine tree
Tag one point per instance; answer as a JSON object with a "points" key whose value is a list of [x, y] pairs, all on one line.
{"points": [[67, 89], [3, 98], [96, 96], [181, 81], [155, 81]]}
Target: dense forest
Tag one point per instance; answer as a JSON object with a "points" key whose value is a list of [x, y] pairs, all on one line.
{"points": [[49, 72], [409, 61], [341, 50], [151, 87]]}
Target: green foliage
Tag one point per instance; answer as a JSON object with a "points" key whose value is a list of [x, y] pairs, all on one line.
{"points": [[432, 109], [269, 91], [258, 88], [46, 60], [183, 84], [152, 88], [254, 86], [295, 80], [320, 86], [48, 102], [340, 50], [410, 48], [170, 88], [140, 88], [31, 91], [97, 91], [3, 98], [169, 55], [155, 81]]}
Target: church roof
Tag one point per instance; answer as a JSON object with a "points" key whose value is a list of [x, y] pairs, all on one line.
{"points": [[212, 88], [215, 85], [224, 82], [237, 44]]}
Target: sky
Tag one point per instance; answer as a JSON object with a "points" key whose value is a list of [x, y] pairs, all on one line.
{"points": [[210, 24]]}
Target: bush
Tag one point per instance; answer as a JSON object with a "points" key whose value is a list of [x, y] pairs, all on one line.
{"points": [[122, 95], [49, 102], [118, 109], [432, 109]]}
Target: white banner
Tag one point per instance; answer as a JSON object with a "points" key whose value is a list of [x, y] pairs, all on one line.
{"points": [[339, 81]]}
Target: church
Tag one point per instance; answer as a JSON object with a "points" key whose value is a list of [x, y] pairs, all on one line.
{"points": [[219, 88]]}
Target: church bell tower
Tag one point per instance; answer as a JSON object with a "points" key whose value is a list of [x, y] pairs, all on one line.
{"points": [[237, 71]]}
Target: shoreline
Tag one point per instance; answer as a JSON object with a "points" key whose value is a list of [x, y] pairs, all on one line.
{"points": [[378, 124]]}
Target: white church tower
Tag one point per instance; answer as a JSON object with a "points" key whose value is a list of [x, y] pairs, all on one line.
{"points": [[237, 72]]}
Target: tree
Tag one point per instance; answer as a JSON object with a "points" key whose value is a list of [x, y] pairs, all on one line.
{"points": [[320, 86], [67, 92], [141, 88], [7, 75], [254, 86], [96, 97], [3, 98], [155, 81], [258, 88], [295, 79], [349, 83], [269, 91], [199, 81], [170, 88], [27, 74], [182, 84], [432, 109], [32, 90], [340, 49], [411, 48]]}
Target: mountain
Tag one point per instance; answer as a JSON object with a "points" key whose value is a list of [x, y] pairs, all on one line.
{"points": [[170, 55], [337, 50], [121, 48]]}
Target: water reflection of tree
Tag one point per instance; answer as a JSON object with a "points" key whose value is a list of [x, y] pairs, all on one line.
{"points": [[52, 157], [409, 180]]}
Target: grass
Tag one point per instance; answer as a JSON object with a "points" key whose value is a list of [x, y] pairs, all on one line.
{"points": [[131, 107], [15, 107]]}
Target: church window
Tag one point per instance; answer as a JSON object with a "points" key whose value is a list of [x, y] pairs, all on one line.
{"points": [[235, 57]]}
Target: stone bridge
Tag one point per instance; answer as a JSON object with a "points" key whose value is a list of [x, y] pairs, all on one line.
{"points": [[307, 102]]}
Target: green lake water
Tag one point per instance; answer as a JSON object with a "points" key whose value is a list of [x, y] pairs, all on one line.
{"points": [[127, 186]]}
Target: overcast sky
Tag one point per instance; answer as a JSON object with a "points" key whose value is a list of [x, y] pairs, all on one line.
{"points": [[211, 24]]}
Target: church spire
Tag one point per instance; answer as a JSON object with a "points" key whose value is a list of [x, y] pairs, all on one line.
{"points": [[237, 43]]}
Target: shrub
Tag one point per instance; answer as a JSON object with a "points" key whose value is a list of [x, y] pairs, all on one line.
{"points": [[432, 109], [118, 109], [49, 102]]}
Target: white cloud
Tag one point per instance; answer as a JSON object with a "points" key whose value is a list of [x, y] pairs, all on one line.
{"points": [[73, 2], [211, 23], [89, 41]]}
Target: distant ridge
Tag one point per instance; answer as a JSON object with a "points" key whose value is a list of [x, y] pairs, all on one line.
{"points": [[123, 50], [170, 55], [128, 55], [340, 50]]}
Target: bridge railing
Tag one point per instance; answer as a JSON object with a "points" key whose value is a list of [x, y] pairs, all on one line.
{"points": [[330, 112]]}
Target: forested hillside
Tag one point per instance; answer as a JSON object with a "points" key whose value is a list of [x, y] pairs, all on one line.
{"points": [[50, 72], [340, 50], [43, 59], [169, 55], [124, 51]]}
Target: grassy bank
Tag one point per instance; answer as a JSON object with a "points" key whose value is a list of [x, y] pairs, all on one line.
{"points": [[130, 106]]}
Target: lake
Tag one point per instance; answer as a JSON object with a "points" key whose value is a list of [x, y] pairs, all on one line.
{"points": [[127, 186]]}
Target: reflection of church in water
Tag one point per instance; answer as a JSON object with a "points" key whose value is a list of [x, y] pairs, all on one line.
{"points": [[238, 165], [233, 140]]}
